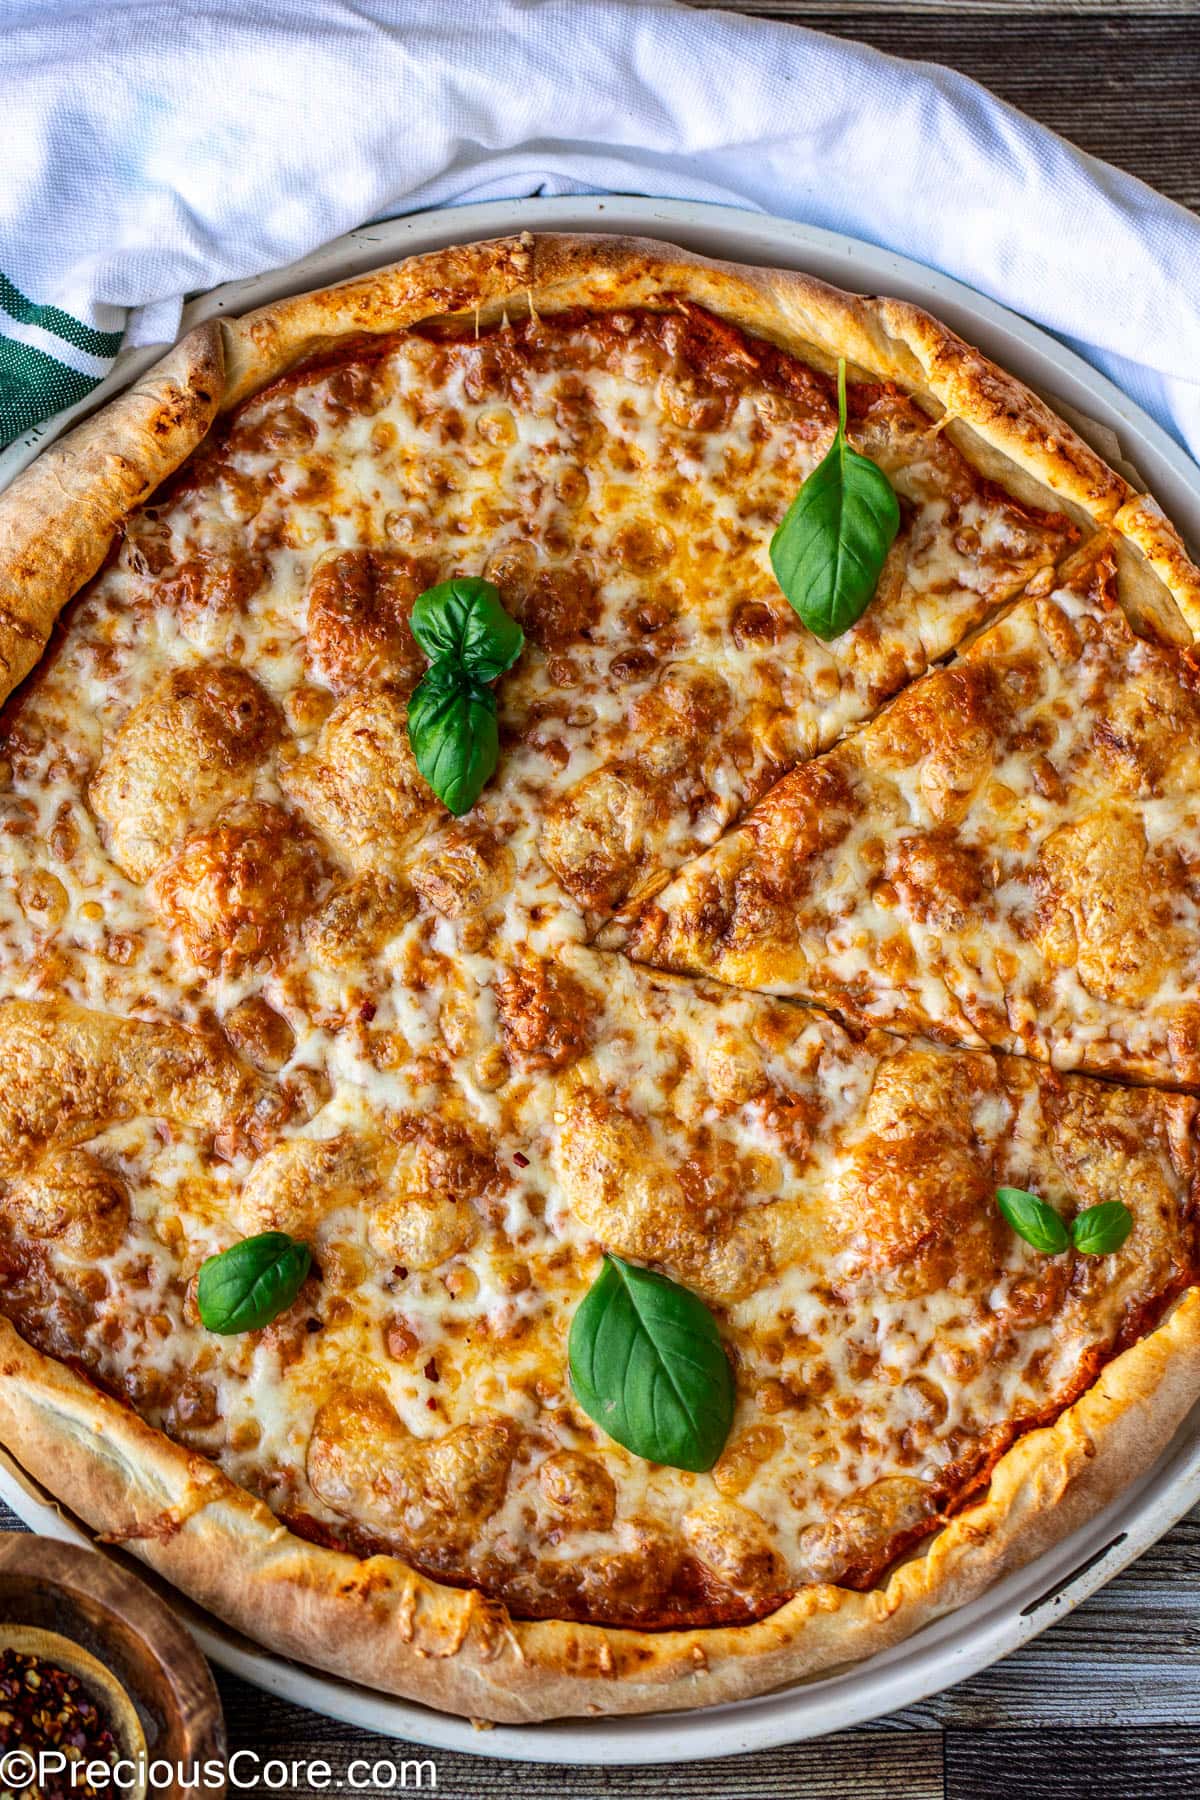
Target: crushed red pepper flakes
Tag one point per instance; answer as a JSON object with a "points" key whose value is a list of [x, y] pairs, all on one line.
{"points": [[43, 1707]]}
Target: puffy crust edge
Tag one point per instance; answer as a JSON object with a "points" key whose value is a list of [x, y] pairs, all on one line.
{"points": [[60, 515], [377, 1622]]}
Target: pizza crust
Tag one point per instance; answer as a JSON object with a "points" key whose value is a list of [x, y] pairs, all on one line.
{"points": [[60, 515], [377, 1622]]}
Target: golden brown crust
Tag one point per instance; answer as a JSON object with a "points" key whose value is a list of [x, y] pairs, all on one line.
{"points": [[1153, 547], [374, 1620], [59, 517]]}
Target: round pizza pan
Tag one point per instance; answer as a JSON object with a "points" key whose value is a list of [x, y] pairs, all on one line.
{"points": [[1024, 1603]]}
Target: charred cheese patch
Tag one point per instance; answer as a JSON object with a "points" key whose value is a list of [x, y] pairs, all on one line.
{"points": [[357, 628], [236, 891], [360, 785], [70, 1072], [424, 1498], [256, 978], [70, 1199], [193, 743]]}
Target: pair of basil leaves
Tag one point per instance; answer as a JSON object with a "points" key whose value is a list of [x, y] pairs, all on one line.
{"points": [[470, 641], [827, 554], [1096, 1232], [647, 1362], [646, 1358], [833, 539]]}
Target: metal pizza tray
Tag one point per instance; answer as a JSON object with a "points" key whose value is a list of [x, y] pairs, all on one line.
{"points": [[1021, 1605]]}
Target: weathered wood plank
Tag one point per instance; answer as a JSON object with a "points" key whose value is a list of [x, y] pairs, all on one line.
{"points": [[1120, 83], [1090, 1763], [1130, 1655], [856, 1765], [799, 9]]}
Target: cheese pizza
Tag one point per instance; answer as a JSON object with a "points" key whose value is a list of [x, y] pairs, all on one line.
{"points": [[401, 1267]]}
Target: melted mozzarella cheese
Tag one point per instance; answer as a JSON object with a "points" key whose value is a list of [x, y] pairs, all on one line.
{"points": [[430, 1000], [1007, 856]]}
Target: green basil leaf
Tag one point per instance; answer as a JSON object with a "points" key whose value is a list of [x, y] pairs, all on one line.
{"points": [[453, 734], [1102, 1229], [648, 1366], [1033, 1220], [463, 619], [251, 1283], [832, 541]]}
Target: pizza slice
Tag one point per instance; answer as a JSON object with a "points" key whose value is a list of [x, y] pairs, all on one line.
{"points": [[1009, 855]]}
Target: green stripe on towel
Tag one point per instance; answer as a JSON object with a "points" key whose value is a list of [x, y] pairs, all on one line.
{"points": [[32, 386], [61, 324]]}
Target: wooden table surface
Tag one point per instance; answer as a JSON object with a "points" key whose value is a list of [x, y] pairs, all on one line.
{"points": [[1106, 1703]]}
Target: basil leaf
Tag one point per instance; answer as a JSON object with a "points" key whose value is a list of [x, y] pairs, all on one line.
{"points": [[1033, 1220], [453, 734], [648, 1366], [251, 1283], [463, 619], [1102, 1229], [470, 639], [831, 543]]}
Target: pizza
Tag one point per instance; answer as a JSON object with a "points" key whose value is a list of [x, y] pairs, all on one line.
{"points": [[552, 1155]]}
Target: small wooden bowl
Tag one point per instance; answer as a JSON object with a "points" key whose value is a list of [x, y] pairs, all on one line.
{"points": [[90, 1615], [114, 1703]]}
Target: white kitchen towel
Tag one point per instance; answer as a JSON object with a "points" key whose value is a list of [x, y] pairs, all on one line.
{"points": [[150, 148]]}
